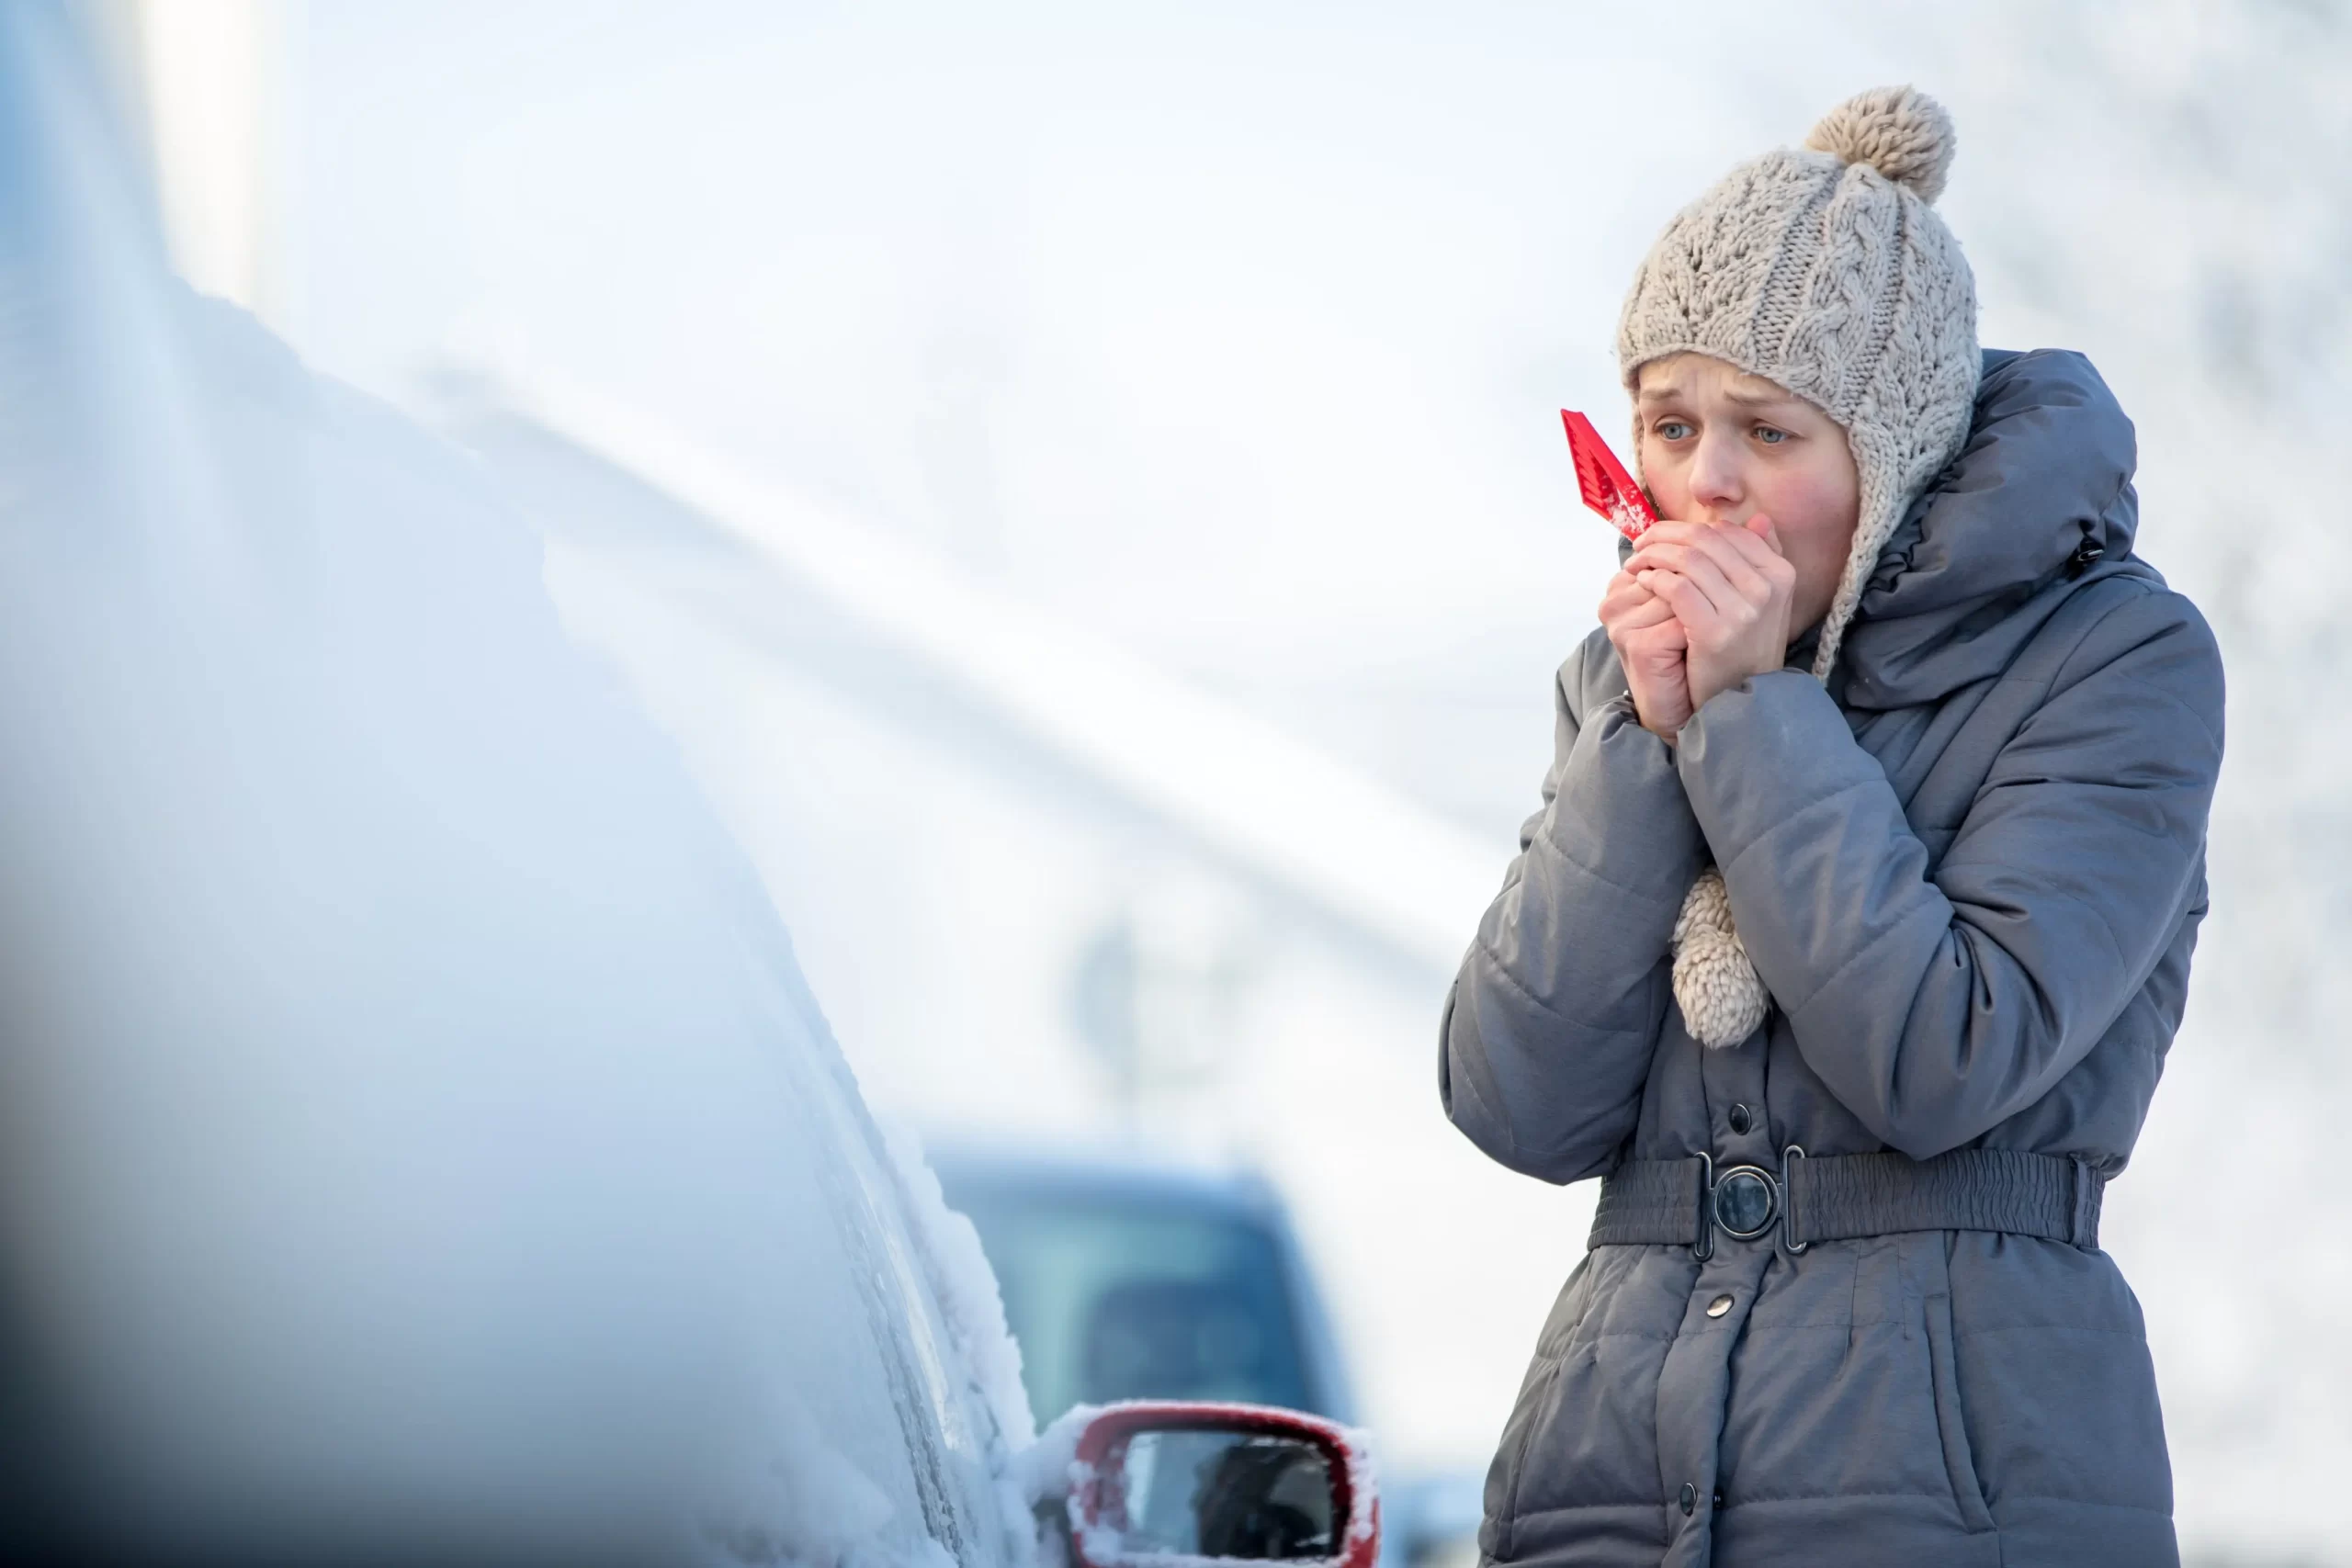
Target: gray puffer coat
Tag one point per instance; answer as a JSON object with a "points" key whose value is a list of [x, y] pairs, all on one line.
{"points": [[1970, 872]]}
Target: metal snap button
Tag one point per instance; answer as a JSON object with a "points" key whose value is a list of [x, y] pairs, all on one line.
{"points": [[1740, 1118], [1719, 1306], [1689, 1499]]}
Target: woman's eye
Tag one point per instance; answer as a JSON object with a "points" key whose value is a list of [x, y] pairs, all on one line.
{"points": [[1670, 429], [1769, 436]]}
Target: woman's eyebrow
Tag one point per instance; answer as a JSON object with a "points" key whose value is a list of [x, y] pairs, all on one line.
{"points": [[1760, 398]]}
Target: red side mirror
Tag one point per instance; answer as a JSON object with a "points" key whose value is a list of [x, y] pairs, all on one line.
{"points": [[1155, 1481]]}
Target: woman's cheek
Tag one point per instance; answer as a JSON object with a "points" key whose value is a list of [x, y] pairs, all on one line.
{"points": [[1817, 528], [1664, 481], [1811, 511]]}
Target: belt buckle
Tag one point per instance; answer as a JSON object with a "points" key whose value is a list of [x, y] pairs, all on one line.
{"points": [[1743, 1202], [1789, 1244]]}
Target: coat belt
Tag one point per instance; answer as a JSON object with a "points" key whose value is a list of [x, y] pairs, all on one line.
{"points": [[1842, 1197]]}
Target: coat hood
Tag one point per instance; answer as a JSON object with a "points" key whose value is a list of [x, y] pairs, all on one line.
{"points": [[2037, 506], [1994, 546]]}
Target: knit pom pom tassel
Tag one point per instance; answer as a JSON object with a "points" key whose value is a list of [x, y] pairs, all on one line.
{"points": [[1722, 997], [1900, 132]]}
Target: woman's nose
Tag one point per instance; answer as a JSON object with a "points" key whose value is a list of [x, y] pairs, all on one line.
{"points": [[1714, 474]]}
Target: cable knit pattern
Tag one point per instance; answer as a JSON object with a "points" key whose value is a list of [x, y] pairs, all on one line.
{"points": [[1823, 268], [1714, 983]]}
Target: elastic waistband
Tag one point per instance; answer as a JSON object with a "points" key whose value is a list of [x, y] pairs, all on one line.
{"points": [[1842, 1197]]}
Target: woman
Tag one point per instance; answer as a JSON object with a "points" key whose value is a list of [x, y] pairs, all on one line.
{"points": [[1850, 938]]}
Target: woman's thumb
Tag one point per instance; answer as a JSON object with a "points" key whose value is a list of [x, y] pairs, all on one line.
{"points": [[1762, 526]]}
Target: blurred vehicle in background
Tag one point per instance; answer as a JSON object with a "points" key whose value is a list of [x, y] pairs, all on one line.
{"points": [[1125, 1279]]}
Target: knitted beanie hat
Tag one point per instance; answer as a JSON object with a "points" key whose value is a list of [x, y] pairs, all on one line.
{"points": [[1825, 269]]}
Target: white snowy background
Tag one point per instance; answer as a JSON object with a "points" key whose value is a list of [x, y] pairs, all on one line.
{"points": [[1230, 337]]}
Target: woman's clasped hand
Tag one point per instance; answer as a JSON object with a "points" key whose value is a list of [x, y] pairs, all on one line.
{"points": [[1698, 608]]}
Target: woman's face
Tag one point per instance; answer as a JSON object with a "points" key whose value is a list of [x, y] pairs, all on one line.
{"points": [[1719, 445]]}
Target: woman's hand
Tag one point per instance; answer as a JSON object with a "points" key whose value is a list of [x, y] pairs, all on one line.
{"points": [[1651, 647], [1729, 590]]}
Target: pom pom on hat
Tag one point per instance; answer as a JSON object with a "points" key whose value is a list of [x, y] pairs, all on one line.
{"points": [[1900, 132]]}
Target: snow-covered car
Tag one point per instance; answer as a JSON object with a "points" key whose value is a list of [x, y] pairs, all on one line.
{"points": [[423, 1144]]}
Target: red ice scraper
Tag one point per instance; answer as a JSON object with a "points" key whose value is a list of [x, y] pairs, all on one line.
{"points": [[1606, 488]]}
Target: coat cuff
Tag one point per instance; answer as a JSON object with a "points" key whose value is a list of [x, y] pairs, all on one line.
{"points": [[1760, 752], [1621, 814]]}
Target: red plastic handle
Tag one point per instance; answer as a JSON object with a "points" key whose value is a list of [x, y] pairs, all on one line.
{"points": [[1602, 480]]}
